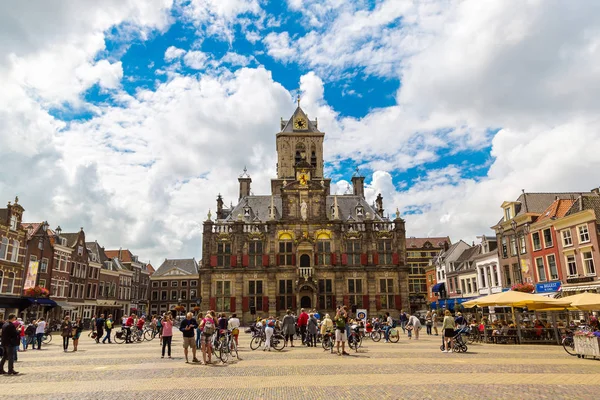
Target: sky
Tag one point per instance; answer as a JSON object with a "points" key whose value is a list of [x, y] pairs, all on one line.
{"points": [[127, 118]]}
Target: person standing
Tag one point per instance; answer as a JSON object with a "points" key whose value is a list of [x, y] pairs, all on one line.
{"points": [[99, 328], [415, 323], [208, 329], [428, 322], [434, 321], [313, 330], [448, 328], [188, 328], [269, 329], [128, 324], [40, 331], [77, 329], [66, 331], [403, 321], [26, 335], [340, 320], [10, 341], [234, 327], [289, 327], [303, 324], [108, 324], [199, 317], [167, 334]]}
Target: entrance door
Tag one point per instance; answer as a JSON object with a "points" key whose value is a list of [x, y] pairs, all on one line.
{"points": [[306, 302]]}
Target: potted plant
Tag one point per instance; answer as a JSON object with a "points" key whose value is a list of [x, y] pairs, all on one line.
{"points": [[523, 287]]}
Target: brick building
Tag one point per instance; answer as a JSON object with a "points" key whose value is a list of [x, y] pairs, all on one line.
{"points": [[12, 258], [175, 283]]}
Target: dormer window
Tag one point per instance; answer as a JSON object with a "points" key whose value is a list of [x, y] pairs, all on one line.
{"points": [[360, 211], [13, 222], [507, 214], [246, 211]]}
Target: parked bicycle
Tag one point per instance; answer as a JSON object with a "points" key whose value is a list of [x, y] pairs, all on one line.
{"points": [[355, 339]]}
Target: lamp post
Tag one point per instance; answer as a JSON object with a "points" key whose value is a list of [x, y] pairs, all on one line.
{"points": [[179, 302]]}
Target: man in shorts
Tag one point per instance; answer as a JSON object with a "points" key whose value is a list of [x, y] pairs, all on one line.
{"points": [[188, 328], [340, 321]]}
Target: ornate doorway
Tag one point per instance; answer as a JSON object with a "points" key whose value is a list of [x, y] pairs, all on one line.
{"points": [[306, 302]]}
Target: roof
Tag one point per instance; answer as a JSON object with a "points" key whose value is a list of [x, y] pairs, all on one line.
{"points": [[259, 208], [150, 268], [122, 254], [97, 250], [31, 228], [71, 238], [557, 209], [438, 242], [588, 202], [299, 113], [3, 215], [187, 265], [469, 253]]}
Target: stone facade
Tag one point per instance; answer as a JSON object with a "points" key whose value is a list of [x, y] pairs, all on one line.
{"points": [[12, 257], [299, 246]]}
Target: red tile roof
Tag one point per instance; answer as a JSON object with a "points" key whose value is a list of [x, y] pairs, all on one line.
{"points": [[150, 268], [125, 255], [418, 243], [557, 209]]}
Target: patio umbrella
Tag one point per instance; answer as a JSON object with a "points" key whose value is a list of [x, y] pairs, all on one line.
{"points": [[584, 301], [517, 299]]}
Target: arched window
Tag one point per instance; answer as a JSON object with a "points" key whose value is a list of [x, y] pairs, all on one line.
{"points": [[1, 281], [10, 284], [304, 260], [3, 248]]}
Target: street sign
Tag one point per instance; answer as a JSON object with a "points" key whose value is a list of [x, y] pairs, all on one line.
{"points": [[362, 314], [547, 287]]}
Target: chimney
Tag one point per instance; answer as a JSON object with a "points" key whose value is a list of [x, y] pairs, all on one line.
{"points": [[245, 182], [358, 183]]}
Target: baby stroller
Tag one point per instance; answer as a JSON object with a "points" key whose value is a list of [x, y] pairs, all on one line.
{"points": [[459, 345]]}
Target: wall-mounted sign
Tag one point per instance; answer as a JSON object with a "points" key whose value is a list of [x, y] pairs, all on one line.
{"points": [[547, 287]]}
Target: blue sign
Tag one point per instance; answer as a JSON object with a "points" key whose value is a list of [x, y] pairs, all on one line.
{"points": [[547, 287]]}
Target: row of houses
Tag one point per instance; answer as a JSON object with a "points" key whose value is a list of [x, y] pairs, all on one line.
{"points": [[546, 243], [48, 272]]}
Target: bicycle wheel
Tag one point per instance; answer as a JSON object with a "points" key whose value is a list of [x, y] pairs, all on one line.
{"points": [[119, 337], [234, 349], [569, 346], [149, 335], [256, 342], [394, 335], [376, 336], [278, 342], [463, 348], [223, 350], [47, 338]]}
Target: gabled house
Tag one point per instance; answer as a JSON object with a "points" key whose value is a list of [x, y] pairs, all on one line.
{"points": [[176, 282], [444, 263]]}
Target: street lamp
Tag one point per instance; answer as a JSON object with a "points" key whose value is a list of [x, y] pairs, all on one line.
{"points": [[179, 302]]}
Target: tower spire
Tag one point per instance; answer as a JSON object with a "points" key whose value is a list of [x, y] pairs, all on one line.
{"points": [[298, 99]]}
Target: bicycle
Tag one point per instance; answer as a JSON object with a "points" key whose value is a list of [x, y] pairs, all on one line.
{"points": [[150, 334], [354, 340], [47, 338], [568, 343], [328, 341], [225, 346]]}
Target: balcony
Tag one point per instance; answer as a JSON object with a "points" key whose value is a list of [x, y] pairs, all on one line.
{"points": [[305, 272]]}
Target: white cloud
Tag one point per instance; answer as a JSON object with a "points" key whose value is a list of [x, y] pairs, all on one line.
{"points": [[173, 53], [236, 59], [195, 59]]}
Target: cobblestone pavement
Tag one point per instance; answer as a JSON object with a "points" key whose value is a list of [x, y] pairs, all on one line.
{"points": [[409, 369]]}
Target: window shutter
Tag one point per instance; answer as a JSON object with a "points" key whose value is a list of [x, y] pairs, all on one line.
{"points": [[316, 262], [245, 304], [266, 304], [294, 303], [346, 300], [278, 260], [398, 302], [344, 259], [395, 259], [375, 258], [332, 301], [265, 260], [213, 303], [232, 304], [245, 259], [363, 259], [366, 301], [333, 259], [293, 259], [277, 303], [378, 303], [213, 261], [234, 261]]}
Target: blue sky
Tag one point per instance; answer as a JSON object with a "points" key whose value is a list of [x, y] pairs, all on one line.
{"points": [[129, 117]]}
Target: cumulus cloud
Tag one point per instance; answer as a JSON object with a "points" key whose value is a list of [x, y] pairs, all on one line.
{"points": [[173, 53]]}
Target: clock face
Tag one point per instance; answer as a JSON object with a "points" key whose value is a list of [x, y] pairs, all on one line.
{"points": [[300, 123]]}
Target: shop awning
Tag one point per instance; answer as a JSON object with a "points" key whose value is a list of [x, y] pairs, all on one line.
{"points": [[65, 306], [106, 303], [437, 287], [449, 303], [13, 302], [43, 301], [579, 288]]}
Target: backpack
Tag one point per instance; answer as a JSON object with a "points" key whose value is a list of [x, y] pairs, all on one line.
{"points": [[209, 326], [270, 323], [340, 323], [30, 330]]}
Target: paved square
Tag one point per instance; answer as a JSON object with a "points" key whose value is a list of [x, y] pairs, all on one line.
{"points": [[406, 370]]}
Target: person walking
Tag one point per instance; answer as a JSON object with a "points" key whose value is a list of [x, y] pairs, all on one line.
{"points": [[208, 329], [188, 328], [415, 324], [448, 327], [303, 324], [403, 321], [289, 327], [66, 331], [27, 334], [108, 324], [313, 330], [269, 329], [10, 341], [99, 328], [434, 322], [40, 331], [428, 322], [77, 329], [167, 334]]}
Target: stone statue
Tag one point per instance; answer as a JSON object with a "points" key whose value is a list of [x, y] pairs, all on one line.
{"points": [[303, 210]]}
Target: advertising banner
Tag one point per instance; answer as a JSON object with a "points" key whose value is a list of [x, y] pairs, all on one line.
{"points": [[32, 272]]}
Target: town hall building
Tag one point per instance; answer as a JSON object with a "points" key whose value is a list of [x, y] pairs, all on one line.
{"points": [[300, 246]]}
